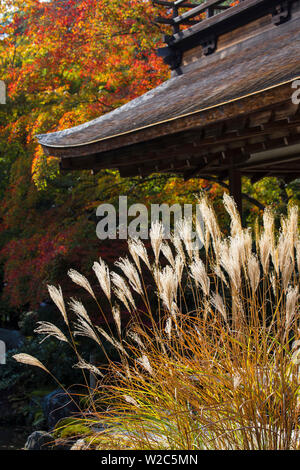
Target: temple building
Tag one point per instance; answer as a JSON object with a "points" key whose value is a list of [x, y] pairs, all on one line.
{"points": [[230, 108]]}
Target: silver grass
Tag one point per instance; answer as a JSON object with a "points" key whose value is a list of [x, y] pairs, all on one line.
{"points": [[253, 272], [111, 340], [83, 328], [297, 245], [265, 251], [241, 247], [81, 281], [287, 274], [131, 273], [174, 313], [273, 283], [138, 250], [296, 345], [296, 353], [230, 262], [231, 208], [178, 247], [117, 317], [184, 228], [121, 296], [169, 285], [247, 243], [156, 238], [198, 273], [179, 265], [292, 305], [295, 359], [167, 252], [292, 224], [57, 297], [237, 380], [136, 338], [285, 250], [131, 247], [268, 223], [211, 224], [275, 258], [168, 327], [144, 362], [122, 290], [217, 301], [218, 271], [78, 308], [156, 276], [48, 329], [30, 360], [82, 364], [131, 401], [102, 272]]}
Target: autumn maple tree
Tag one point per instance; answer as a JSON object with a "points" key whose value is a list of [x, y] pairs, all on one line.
{"points": [[66, 62]]}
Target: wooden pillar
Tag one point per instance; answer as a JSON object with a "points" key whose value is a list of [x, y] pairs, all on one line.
{"points": [[235, 185]]}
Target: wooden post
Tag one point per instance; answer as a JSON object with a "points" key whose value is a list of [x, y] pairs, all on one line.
{"points": [[235, 185]]}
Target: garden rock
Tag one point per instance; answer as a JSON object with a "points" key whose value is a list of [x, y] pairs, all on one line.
{"points": [[56, 406], [79, 445], [39, 440], [12, 338]]}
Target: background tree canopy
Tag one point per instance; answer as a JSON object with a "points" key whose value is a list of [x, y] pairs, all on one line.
{"points": [[66, 62]]}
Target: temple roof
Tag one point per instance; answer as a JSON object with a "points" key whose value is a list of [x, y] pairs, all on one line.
{"points": [[250, 71], [230, 74]]}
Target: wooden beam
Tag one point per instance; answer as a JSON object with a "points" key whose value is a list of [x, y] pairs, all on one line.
{"points": [[228, 20], [182, 4], [210, 4], [206, 161]]}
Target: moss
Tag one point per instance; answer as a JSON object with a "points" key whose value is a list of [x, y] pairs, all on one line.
{"points": [[70, 427], [75, 430]]}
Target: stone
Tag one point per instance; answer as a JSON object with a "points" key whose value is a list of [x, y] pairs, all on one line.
{"points": [[39, 440], [79, 445], [56, 406], [12, 338]]}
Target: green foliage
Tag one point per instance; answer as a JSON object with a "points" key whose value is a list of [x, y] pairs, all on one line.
{"points": [[99, 56]]}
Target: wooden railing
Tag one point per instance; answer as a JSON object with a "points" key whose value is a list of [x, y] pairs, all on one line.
{"points": [[202, 11]]}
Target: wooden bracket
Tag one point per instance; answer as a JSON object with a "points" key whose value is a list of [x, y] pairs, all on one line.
{"points": [[209, 45], [281, 12], [171, 56]]}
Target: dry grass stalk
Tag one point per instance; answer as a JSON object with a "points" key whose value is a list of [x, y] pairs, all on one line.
{"points": [[156, 238], [122, 291], [102, 272], [131, 273], [57, 297], [138, 251], [82, 281], [78, 308], [199, 274], [48, 329], [82, 364], [29, 360], [219, 368]]}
